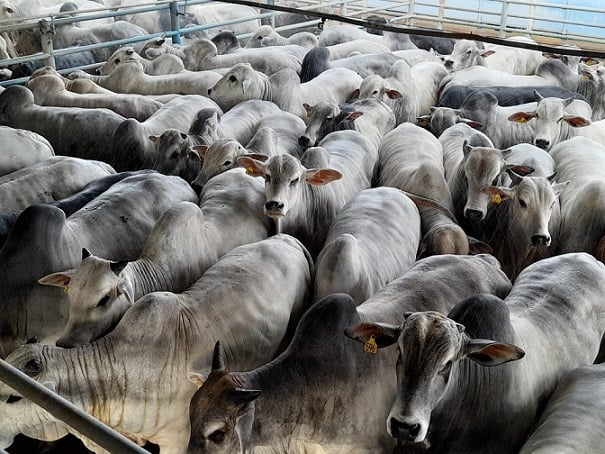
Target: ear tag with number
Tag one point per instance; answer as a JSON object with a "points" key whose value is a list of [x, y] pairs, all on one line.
{"points": [[496, 199], [370, 346]]}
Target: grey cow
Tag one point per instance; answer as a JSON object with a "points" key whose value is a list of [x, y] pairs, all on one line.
{"points": [[324, 394], [136, 380], [449, 401]]}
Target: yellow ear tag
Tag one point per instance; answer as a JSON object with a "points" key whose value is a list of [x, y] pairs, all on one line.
{"points": [[589, 62], [584, 77], [370, 346], [65, 288], [249, 170], [496, 198], [522, 120]]}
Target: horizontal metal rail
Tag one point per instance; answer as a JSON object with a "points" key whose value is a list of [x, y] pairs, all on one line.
{"points": [[395, 11], [64, 410]]}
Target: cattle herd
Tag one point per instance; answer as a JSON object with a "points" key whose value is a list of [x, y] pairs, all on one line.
{"points": [[326, 241]]}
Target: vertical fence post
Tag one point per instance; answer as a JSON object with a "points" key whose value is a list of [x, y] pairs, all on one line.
{"points": [[272, 2], [175, 25], [503, 19], [47, 30]]}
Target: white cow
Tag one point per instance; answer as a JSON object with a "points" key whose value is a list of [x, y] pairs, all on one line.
{"points": [[371, 241], [51, 179], [410, 92], [572, 421], [49, 90], [265, 35], [100, 291], [129, 77], [371, 117], [582, 162], [411, 159], [554, 122], [284, 88], [524, 227], [446, 403], [22, 148], [140, 376], [513, 60], [295, 198], [202, 54], [163, 64]]}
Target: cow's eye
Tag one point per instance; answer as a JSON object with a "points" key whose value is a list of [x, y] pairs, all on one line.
{"points": [[218, 436], [522, 203], [12, 399], [267, 178], [227, 163], [446, 369], [294, 182], [32, 367], [232, 79], [103, 301]]}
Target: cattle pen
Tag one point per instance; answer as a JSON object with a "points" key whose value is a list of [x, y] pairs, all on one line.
{"points": [[563, 27], [567, 28]]}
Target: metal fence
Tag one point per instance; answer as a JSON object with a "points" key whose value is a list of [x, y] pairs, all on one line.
{"points": [[546, 21]]}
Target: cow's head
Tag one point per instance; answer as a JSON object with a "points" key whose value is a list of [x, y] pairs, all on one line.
{"points": [[284, 176], [99, 295], [221, 411], [430, 346]]}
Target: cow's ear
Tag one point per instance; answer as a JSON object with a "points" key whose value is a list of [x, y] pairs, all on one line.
{"points": [[253, 167], [201, 149], [487, 53], [519, 169], [354, 94], [154, 139], [393, 94], [242, 396], [498, 194], [308, 109], [472, 123], [258, 156], [491, 353], [558, 187], [193, 155], [319, 177], [61, 279], [476, 246], [576, 121], [197, 379], [354, 115], [521, 117], [384, 334]]}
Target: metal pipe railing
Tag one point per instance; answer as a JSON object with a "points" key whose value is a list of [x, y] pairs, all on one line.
{"points": [[64, 410]]}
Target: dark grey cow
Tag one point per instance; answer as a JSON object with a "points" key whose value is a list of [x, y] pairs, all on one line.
{"points": [[446, 403], [324, 394], [69, 129], [133, 141]]}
